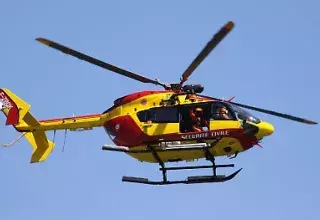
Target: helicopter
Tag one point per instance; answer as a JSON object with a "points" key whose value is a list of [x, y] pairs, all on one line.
{"points": [[175, 124]]}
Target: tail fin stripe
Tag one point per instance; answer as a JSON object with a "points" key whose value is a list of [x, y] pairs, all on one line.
{"points": [[10, 106]]}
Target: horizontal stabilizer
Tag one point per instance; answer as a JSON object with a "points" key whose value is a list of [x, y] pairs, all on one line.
{"points": [[42, 147]]}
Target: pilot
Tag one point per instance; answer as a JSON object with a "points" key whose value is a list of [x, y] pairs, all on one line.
{"points": [[222, 113]]}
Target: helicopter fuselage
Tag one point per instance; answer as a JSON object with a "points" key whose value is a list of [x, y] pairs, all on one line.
{"points": [[160, 118]]}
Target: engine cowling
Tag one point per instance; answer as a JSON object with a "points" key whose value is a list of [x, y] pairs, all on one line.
{"points": [[193, 88]]}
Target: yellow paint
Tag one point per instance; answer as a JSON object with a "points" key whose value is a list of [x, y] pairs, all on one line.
{"points": [[222, 124], [42, 147], [217, 150], [265, 129], [66, 123], [35, 130]]}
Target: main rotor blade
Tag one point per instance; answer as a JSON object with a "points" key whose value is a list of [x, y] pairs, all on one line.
{"points": [[97, 62], [216, 39], [278, 114], [282, 115]]}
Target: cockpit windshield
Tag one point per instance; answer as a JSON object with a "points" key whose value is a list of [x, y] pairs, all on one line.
{"points": [[244, 115]]}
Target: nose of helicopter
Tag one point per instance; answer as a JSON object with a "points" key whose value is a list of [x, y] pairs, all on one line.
{"points": [[265, 129]]}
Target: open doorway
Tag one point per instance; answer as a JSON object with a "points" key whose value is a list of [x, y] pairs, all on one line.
{"points": [[194, 117]]}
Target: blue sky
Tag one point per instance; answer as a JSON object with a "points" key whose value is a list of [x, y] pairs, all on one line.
{"points": [[270, 59]]}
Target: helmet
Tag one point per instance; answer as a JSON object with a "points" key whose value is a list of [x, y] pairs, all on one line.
{"points": [[198, 111], [223, 110]]}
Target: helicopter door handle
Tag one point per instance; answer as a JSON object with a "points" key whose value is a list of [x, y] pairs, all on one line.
{"points": [[147, 124]]}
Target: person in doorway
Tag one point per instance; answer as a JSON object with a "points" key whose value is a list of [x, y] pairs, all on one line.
{"points": [[198, 121]]}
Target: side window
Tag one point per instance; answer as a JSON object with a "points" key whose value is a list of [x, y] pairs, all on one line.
{"points": [[159, 115]]}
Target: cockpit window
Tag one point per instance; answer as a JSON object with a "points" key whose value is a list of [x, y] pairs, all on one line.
{"points": [[244, 115], [221, 111]]}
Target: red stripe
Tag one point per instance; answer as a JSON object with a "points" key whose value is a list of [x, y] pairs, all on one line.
{"points": [[76, 117], [134, 96], [126, 132], [13, 113]]}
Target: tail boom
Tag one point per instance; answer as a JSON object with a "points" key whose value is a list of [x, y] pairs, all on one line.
{"points": [[18, 115], [69, 123]]}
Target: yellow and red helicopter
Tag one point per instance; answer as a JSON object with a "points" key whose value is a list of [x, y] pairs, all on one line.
{"points": [[170, 125]]}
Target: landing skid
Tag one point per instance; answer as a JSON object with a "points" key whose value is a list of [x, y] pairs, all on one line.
{"points": [[190, 180]]}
